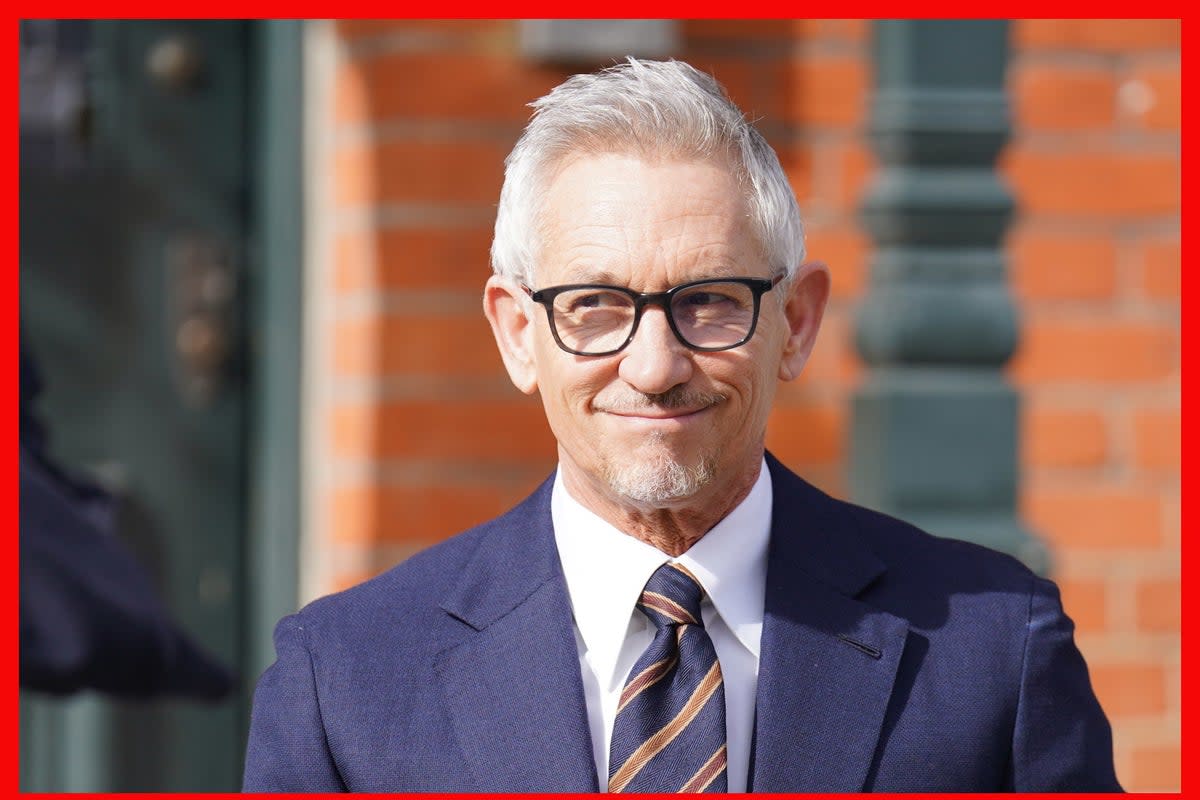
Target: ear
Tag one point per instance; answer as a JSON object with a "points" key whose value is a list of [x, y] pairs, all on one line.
{"points": [[804, 308], [508, 310]]}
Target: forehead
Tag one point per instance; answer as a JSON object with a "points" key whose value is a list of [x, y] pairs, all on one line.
{"points": [[624, 219]]}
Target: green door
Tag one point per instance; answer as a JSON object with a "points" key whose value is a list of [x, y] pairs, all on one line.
{"points": [[137, 209]]}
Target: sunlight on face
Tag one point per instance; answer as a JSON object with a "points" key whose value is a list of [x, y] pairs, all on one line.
{"points": [[658, 422], [658, 478]]}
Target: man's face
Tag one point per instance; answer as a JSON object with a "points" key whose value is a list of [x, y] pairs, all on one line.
{"points": [[657, 423]]}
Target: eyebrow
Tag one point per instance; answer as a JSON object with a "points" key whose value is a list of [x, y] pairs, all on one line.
{"points": [[724, 270], [590, 275], [603, 276]]}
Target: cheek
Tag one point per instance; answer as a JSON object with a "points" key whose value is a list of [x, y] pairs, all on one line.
{"points": [[567, 387], [753, 392], [743, 373]]}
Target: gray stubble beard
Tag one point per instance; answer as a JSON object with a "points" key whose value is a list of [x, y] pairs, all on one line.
{"points": [[660, 480]]}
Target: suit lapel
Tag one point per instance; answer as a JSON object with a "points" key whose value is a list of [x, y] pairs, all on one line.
{"points": [[828, 661], [512, 686]]}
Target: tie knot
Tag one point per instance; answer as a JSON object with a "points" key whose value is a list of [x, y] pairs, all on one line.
{"points": [[672, 597]]}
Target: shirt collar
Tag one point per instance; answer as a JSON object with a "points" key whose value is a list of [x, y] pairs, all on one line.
{"points": [[606, 569]]}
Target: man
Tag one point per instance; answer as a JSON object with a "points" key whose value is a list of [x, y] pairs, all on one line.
{"points": [[673, 610]]}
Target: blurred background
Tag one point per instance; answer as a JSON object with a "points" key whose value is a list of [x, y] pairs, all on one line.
{"points": [[252, 255]]}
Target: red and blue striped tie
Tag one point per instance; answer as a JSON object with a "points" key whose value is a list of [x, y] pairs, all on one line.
{"points": [[669, 734]]}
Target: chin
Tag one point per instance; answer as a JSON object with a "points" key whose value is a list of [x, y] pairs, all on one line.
{"points": [[661, 479]]}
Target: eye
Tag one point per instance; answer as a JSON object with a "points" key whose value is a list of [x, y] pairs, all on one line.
{"points": [[583, 300], [713, 299], [706, 298]]}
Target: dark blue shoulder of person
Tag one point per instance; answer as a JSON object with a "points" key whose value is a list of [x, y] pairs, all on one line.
{"points": [[89, 615]]}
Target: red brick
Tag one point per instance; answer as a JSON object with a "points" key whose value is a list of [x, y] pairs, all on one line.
{"points": [[1097, 352], [413, 258], [1157, 441], [1085, 601], [834, 361], [452, 86], [1155, 769], [844, 250], [1160, 270], [797, 163], [1093, 183], [827, 91], [736, 30], [1060, 437], [809, 434], [820, 194], [1101, 517], [351, 94], [1062, 266], [395, 514], [1047, 97], [407, 344], [746, 82], [357, 28], [855, 167], [847, 30], [1130, 689], [344, 580], [355, 177], [469, 430], [1097, 35], [829, 479], [1157, 89], [1158, 605], [420, 172]]}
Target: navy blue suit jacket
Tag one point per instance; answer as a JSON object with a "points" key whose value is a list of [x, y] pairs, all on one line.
{"points": [[891, 660]]}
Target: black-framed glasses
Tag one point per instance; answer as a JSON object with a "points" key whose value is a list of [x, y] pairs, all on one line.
{"points": [[594, 319]]}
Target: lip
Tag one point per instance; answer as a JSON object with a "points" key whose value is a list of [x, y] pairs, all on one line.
{"points": [[659, 415]]}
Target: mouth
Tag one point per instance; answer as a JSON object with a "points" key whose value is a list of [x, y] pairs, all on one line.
{"points": [[667, 409], [658, 417], [657, 413]]}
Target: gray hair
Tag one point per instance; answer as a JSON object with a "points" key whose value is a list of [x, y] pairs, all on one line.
{"points": [[651, 109]]}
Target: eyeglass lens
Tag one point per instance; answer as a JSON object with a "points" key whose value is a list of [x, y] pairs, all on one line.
{"points": [[596, 320]]}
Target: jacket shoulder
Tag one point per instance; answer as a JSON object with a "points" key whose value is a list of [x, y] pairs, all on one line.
{"points": [[905, 546], [852, 545], [416, 585]]}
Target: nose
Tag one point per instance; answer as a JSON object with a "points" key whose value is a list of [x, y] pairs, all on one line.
{"points": [[655, 360]]}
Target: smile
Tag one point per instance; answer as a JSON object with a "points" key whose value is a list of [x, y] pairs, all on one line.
{"points": [[659, 416], [666, 413]]}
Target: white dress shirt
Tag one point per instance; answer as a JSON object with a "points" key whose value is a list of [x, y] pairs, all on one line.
{"points": [[606, 571]]}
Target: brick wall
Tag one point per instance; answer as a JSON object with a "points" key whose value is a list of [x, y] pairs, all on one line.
{"points": [[1095, 258], [416, 432]]}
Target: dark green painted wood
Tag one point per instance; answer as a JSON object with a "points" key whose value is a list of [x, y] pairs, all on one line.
{"points": [[168, 163], [940, 53], [934, 432], [276, 294]]}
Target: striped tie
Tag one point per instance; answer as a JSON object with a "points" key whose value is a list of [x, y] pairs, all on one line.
{"points": [[669, 734]]}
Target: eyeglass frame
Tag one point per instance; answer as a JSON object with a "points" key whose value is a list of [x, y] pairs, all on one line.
{"points": [[758, 287]]}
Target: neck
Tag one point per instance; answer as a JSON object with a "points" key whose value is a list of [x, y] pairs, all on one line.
{"points": [[671, 526]]}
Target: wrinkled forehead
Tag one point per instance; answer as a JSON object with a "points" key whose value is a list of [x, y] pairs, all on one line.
{"points": [[620, 218], [554, 163]]}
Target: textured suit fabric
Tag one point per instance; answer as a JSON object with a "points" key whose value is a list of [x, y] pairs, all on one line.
{"points": [[891, 661]]}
